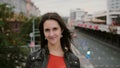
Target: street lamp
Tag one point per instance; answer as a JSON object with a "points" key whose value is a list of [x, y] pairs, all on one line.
{"points": [[32, 36], [31, 42]]}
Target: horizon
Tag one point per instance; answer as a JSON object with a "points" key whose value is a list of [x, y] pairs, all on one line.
{"points": [[63, 7]]}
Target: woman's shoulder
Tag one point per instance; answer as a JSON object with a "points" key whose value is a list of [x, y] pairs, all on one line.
{"points": [[33, 58], [72, 56], [73, 60], [37, 54]]}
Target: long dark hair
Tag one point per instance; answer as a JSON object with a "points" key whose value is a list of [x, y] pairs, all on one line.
{"points": [[65, 40]]}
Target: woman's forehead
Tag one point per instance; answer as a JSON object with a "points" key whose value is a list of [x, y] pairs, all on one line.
{"points": [[51, 23]]}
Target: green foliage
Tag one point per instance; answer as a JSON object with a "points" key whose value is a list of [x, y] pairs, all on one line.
{"points": [[3, 40], [11, 53], [1, 23], [6, 11], [11, 56], [12, 45], [27, 28]]}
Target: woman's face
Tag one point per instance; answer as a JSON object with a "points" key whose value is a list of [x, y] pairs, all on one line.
{"points": [[52, 31]]}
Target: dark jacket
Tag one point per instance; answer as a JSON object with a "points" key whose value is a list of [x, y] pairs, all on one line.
{"points": [[39, 59]]}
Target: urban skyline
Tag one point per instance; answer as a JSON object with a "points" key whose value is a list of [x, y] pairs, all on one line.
{"points": [[63, 7]]}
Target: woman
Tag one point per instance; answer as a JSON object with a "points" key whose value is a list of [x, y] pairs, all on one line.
{"points": [[55, 44]]}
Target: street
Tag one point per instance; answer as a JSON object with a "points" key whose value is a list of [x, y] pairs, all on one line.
{"points": [[101, 56]]}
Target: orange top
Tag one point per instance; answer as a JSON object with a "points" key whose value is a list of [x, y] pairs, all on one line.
{"points": [[56, 62]]}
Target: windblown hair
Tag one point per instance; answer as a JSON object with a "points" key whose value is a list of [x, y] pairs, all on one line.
{"points": [[65, 40]]}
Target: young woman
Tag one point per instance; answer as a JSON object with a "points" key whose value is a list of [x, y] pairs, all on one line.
{"points": [[55, 51]]}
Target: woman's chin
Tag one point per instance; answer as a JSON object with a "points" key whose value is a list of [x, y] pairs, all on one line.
{"points": [[52, 42]]}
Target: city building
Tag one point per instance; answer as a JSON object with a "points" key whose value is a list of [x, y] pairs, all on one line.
{"points": [[108, 17], [77, 15], [21, 7], [113, 5], [105, 21], [113, 11], [26, 7]]}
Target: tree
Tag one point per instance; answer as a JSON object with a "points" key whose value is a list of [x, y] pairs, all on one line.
{"points": [[11, 54], [5, 13], [26, 29]]}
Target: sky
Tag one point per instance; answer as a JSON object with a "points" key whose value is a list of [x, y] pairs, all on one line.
{"points": [[63, 7]]}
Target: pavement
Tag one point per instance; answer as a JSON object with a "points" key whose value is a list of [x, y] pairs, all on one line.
{"points": [[84, 63]]}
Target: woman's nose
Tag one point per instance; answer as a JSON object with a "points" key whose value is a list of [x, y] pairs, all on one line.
{"points": [[51, 33]]}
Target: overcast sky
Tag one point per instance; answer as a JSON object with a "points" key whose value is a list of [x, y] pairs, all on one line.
{"points": [[63, 7]]}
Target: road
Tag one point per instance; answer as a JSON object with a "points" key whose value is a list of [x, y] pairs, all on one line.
{"points": [[101, 56]]}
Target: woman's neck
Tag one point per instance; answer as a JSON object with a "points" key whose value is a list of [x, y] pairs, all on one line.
{"points": [[55, 49]]}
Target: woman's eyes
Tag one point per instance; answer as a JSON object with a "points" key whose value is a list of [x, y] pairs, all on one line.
{"points": [[54, 29], [46, 30]]}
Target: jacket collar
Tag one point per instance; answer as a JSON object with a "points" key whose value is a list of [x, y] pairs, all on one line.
{"points": [[43, 54]]}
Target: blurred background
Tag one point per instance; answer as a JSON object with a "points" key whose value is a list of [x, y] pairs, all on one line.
{"points": [[96, 32]]}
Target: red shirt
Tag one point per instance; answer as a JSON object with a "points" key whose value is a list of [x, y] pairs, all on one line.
{"points": [[56, 62]]}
